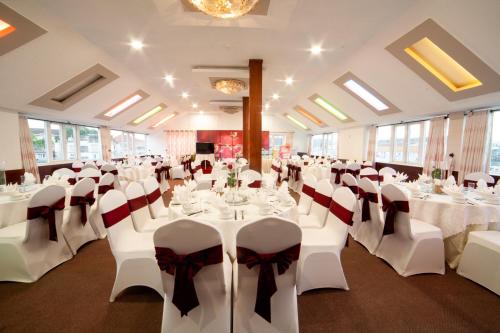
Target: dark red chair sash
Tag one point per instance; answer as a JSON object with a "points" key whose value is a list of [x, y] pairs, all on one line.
{"points": [[82, 201], [114, 172], [344, 214], [76, 169], [184, 268], [392, 208], [278, 170], [297, 170], [137, 203], [306, 163], [102, 189], [153, 196], [338, 173], [48, 213], [373, 177], [167, 172], [266, 285], [116, 215], [323, 200], [154, 163], [353, 172], [158, 172], [255, 184], [72, 181], [308, 190], [354, 189], [365, 208]]}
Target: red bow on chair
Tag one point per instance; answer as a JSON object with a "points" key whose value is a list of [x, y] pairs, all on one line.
{"points": [[344, 214], [102, 189], [323, 200], [158, 172], [266, 285], [374, 177], [137, 203], [184, 268], [337, 175], [72, 181], [114, 172], [367, 198], [167, 172], [392, 208], [48, 213], [354, 189], [308, 190], [153, 196], [82, 201]]}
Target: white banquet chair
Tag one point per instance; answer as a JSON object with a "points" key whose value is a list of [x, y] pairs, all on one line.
{"points": [[471, 179], [348, 180], [66, 172], [259, 245], [165, 174], [90, 173], [76, 226], [203, 180], [30, 249], [89, 166], [371, 227], [155, 200], [139, 209], [77, 166], [111, 168], [106, 183], [307, 194], [319, 263], [336, 171], [410, 246], [254, 177], [133, 251], [319, 206], [369, 173], [159, 174], [480, 260], [386, 171], [202, 244]]}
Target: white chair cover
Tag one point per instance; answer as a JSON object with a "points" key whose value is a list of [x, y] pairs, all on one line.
{"points": [[319, 206], [369, 233], [307, 194], [66, 172], [139, 209], [95, 217], [155, 200]]}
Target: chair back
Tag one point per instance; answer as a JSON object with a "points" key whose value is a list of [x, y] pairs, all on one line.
{"points": [[90, 166], [38, 229], [89, 163], [402, 225], [138, 205], [115, 213], [387, 171], [369, 173], [153, 194], [473, 178], [353, 168], [90, 173], [367, 186], [254, 177], [66, 172], [321, 200], [111, 168], [340, 213], [350, 182], [307, 194], [106, 183], [84, 188], [77, 166]]}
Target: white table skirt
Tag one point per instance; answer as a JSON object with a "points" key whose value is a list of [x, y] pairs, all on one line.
{"points": [[229, 227]]}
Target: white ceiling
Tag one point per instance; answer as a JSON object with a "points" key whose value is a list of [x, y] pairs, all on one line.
{"points": [[354, 34]]}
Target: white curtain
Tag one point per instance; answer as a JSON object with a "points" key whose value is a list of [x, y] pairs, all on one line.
{"points": [[434, 155], [27, 152], [372, 135], [105, 143], [180, 143], [473, 144]]}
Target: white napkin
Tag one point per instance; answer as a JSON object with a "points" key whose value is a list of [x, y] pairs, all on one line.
{"points": [[456, 192], [424, 178], [219, 184], [414, 188], [29, 179], [221, 205], [481, 184], [388, 179], [450, 181], [268, 181], [400, 177], [190, 185]]}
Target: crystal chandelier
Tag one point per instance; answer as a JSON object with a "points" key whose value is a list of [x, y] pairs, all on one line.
{"points": [[224, 8], [230, 86]]}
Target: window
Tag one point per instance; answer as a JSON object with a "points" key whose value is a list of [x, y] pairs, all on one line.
{"points": [[71, 150], [324, 145], [405, 143], [39, 137], [56, 142], [140, 147], [331, 144], [90, 143], [119, 144], [495, 145], [317, 145]]}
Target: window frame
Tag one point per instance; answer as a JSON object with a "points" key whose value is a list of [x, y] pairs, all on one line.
{"points": [[324, 145]]}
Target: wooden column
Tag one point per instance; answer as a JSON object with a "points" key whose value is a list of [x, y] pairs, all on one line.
{"points": [[246, 128], [255, 114]]}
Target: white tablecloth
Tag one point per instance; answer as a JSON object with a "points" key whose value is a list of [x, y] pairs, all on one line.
{"points": [[229, 227]]}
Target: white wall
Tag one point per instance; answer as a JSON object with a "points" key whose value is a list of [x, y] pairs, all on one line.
{"points": [[9, 139], [351, 143]]}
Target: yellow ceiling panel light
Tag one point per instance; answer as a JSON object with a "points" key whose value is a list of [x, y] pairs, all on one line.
{"points": [[442, 65], [148, 114], [297, 122], [164, 120], [5, 28], [309, 116]]}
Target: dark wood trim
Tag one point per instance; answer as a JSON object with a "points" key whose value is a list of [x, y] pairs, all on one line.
{"points": [[255, 110], [246, 129], [13, 176]]}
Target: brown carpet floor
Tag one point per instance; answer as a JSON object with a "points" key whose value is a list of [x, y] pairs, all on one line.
{"points": [[74, 298]]}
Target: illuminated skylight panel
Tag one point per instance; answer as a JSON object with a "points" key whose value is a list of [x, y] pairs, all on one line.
{"points": [[364, 94], [123, 105], [5, 28], [148, 114], [330, 108], [164, 120], [296, 122], [442, 65], [310, 116]]}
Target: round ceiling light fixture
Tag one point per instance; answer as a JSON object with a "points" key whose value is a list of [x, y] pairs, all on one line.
{"points": [[230, 86], [224, 8]]}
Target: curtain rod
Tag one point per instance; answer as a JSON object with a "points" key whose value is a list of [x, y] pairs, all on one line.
{"points": [[445, 116]]}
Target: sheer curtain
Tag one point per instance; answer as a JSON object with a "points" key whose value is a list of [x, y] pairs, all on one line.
{"points": [[27, 152], [105, 143], [180, 143], [370, 153], [473, 144], [434, 155]]}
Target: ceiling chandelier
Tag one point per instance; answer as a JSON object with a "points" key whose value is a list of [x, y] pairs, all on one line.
{"points": [[230, 86], [224, 8]]}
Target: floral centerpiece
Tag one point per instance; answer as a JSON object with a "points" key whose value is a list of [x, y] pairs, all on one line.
{"points": [[232, 179], [436, 175]]}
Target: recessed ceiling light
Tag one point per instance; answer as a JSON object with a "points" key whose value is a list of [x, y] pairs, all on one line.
{"points": [[148, 114], [194, 105], [185, 95], [169, 78], [123, 105], [167, 118], [289, 81], [136, 44], [316, 49], [267, 106], [202, 112], [296, 122], [330, 108], [5, 28], [367, 96], [276, 96]]}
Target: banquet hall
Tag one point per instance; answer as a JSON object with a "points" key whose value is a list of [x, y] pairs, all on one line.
{"points": [[249, 166]]}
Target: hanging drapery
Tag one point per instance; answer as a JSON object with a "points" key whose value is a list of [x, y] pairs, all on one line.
{"points": [[27, 152], [370, 153], [105, 143], [473, 144], [180, 143], [434, 154]]}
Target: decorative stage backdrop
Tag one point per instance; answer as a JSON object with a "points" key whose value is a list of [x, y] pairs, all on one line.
{"points": [[228, 143]]}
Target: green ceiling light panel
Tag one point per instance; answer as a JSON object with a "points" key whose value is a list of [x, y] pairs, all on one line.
{"points": [[327, 106]]}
